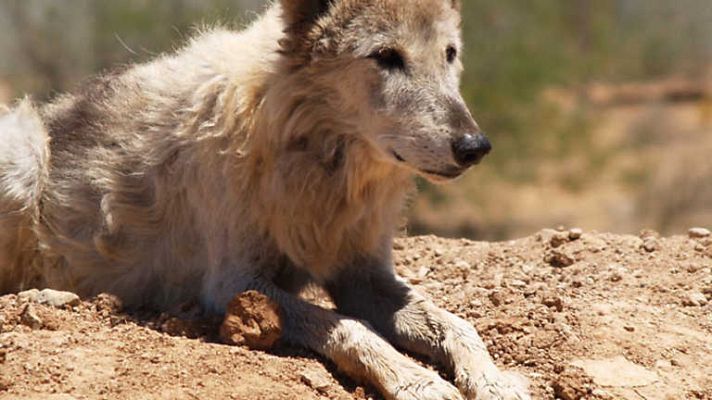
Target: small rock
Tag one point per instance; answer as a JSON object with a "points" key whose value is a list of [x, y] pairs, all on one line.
{"points": [[648, 233], [397, 245], [252, 320], [29, 317], [107, 304], [651, 244], [527, 268], [663, 364], [545, 235], [462, 265], [316, 381], [30, 296], [559, 259], [516, 283], [558, 239], [707, 291], [496, 298], [58, 299], [5, 384], [575, 233], [554, 302], [629, 328], [698, 233], [49, 297], [695, 299]]}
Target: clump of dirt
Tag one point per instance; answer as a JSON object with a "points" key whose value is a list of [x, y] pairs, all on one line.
{"points": [[253, 321], [625, 317]]}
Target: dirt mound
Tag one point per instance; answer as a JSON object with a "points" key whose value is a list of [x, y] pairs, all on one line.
{"points": [[593, 316]]}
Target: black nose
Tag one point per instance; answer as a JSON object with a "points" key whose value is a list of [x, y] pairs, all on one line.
{"points": [[470, 149]]}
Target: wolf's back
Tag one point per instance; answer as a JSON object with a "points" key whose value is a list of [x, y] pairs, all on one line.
{"points": [[24, 161]]}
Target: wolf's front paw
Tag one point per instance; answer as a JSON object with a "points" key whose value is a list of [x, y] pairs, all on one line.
{"points": [[423, 385], [494, 386]]}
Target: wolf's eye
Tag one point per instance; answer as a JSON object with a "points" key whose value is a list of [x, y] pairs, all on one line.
{"points": [[388, 58], [451, 54]]}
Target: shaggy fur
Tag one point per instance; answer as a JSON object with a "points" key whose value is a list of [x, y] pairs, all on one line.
{"points": [[259, 159]]}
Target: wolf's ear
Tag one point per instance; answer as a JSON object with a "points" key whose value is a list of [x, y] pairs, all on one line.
{"points": [[303, 13]]}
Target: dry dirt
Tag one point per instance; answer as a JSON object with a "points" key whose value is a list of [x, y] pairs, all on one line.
{"points": [[598, 317]]}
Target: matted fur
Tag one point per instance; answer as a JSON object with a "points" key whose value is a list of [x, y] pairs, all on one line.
{"points": [[258, 159]]}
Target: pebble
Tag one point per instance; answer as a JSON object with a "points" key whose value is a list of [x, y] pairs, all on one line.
{"points": [[695, 299], [28, 296], [496, 298], [650, 244], [516, 283], [558, 239], [575, 233], [554, 302], [315, 381], [616, 277], [558, 259], [545, 235], [29, 317], [698, 233], [50, 297], [648, 233], [462, 265]]}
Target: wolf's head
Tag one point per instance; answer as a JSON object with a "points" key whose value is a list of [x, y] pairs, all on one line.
{"points": [[392, 69]]}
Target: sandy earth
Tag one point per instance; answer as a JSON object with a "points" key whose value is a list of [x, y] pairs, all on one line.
{"points": [[597, 317]]}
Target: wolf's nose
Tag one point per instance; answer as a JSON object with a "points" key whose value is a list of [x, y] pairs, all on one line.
{"points": [[470, 149]]}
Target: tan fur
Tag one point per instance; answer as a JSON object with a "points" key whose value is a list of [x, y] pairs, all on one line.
{"points": [[250, 160]]}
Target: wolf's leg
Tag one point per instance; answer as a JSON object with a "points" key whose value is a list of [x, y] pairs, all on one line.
{"points": [[355, 348], [414, 323]]}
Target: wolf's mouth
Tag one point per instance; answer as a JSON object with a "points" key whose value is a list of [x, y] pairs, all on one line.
{"points": [[450, 173]]}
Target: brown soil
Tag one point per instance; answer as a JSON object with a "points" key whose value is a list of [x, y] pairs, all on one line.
{"points": [[598, 317]]}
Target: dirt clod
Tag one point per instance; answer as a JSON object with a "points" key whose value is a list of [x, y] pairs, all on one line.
{"points": [[568, 389], [252, 320]]}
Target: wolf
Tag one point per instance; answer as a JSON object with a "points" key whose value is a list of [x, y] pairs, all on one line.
{"points": [[261, 159]]}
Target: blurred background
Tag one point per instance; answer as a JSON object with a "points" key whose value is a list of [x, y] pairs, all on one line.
{"points": [[600, 111]]}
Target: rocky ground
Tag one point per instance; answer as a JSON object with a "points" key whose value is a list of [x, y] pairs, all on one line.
{"points": [[582, 315]]}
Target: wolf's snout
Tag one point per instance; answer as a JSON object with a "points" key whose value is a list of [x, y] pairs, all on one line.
{"points": [[470, 149]]}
